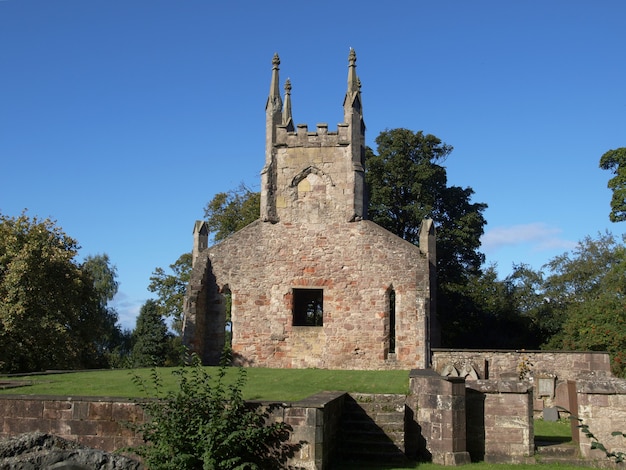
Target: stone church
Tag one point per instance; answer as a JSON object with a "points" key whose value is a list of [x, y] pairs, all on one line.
{"points": [[312, 282]]}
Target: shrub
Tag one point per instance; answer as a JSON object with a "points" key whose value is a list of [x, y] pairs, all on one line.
{"points": [[206, 424]]}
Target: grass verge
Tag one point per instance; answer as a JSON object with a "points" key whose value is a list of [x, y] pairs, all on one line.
{"points": [[262, 384]]}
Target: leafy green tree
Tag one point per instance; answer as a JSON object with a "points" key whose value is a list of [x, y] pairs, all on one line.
{"points": [[171, 288], [231, 211], [103, 278], [151, 337], [615, 161], [407, 183], [585, 291], [51, 313]]}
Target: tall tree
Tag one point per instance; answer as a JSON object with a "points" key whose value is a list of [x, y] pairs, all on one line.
{"points": [[51, 313], [407, 183], [171, 288], [103, 276], [150, 336], [586, 288], [231, 211], [615, 161]]}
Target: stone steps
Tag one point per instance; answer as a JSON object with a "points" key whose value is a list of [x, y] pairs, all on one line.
{"points": [[560, 453], [373, 428]]}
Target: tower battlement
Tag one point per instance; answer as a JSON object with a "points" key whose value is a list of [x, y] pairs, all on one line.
{"points": [[321, 137], [310, 177]]}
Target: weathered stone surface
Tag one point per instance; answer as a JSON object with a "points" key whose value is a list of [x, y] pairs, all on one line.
{"points": [[498, 364], [373, 290], [44, 451]]}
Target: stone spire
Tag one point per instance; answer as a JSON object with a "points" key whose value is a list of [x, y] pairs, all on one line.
{"points": [[287, 118], [273, 119], [274, 102], [352, 101], [354, 84]]}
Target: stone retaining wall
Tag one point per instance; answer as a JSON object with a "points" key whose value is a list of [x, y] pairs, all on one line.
{"points": [[502, 364], [99, 422], [93, 422]]}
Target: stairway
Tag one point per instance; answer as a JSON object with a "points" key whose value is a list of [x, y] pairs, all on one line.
{"points": [[372, 428], [562, 453]]}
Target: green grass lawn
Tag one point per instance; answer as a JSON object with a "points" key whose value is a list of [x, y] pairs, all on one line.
{"points": [[553, 431], [261, 384]]}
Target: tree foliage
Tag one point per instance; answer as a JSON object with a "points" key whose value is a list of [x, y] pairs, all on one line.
{"points": [[171, 288], [52, 309], [205, 423], [407, 183], [585, 291], [231, 211], [151, 337], [615, 161]]}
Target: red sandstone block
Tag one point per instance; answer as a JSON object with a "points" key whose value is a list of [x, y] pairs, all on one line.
{"points": [[25, 409], [98, 442], [58, 427], [83, 428], [108, 428], [15, 426], [127, 412], [100, 411], [57, 410]]}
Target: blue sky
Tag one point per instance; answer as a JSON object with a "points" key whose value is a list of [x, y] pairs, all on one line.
{"points": [[121, 119]]}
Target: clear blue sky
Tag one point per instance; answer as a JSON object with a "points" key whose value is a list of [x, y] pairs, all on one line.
{"points": [[121, 119]]}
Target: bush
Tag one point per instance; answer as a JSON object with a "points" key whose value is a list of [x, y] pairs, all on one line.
{"points": [[206, 424]]}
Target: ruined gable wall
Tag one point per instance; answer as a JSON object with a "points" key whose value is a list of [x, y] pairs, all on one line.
{"points": [[354, 263]]}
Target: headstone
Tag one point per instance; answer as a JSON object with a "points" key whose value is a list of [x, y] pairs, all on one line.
{"points": [[551, 414]]}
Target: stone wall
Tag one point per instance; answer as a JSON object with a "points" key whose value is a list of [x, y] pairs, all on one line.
{"points": [[502, 364], [93, 422], [356, 265], [500, 421], [602, 406], [99, 423]]}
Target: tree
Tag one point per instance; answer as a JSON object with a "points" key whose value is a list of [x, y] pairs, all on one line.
{"points": [[231, 211], [171, 288], [585, 291], [150, 337], [406, 184], [51, 313], [103, 278], [615, 161]]}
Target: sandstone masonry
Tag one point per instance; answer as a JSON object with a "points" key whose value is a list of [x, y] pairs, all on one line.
{"points": [[313, 283]]}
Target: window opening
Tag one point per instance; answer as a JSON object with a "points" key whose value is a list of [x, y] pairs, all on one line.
{"points": [[392, 321], [308, 307], [228, 321]]}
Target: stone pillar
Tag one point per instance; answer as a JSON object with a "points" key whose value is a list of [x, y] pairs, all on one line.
{"points": [[438, 407], [500, 421]]}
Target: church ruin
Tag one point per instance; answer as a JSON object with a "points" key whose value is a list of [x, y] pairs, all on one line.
{"points": [[312, 282]]}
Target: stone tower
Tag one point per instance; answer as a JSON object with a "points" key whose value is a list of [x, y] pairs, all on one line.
{"points": [[316, 176]]}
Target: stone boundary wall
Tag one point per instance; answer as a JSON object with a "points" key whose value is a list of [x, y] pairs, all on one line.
{"points": [[602, 406], [98, 422], [505, 364], [91, 421], [500, 425]]}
